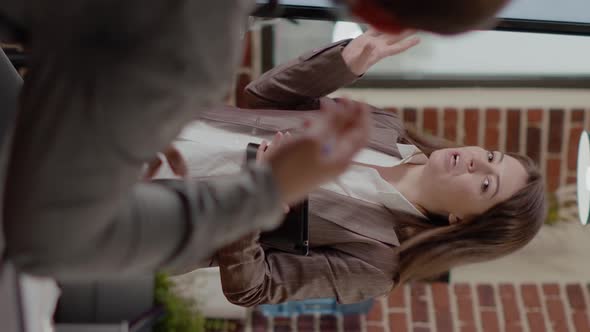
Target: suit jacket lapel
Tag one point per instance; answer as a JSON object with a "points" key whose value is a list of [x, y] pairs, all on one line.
{"points": [[385, 132], [370, 220]]}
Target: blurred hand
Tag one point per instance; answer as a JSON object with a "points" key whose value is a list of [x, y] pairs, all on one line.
{"points": [[322, 152], [266, 149], [373, 46], [174, 159]]}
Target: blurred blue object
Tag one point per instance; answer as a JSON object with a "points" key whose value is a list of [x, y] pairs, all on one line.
{"points": [[320, 306]]}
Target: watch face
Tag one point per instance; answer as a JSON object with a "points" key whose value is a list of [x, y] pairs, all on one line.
{"points": [[583, 178]]}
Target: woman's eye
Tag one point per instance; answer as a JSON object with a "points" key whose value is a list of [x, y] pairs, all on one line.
{"points": [[485, 185], [490, 156]]}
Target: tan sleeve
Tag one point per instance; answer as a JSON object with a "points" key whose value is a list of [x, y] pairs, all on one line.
{"points": [[300, 83], [251, 276]]}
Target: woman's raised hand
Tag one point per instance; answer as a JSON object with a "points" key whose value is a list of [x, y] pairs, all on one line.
{"points": [[372, 46]]}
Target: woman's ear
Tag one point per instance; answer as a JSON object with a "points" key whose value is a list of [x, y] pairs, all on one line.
{"points": [[453, 219]]}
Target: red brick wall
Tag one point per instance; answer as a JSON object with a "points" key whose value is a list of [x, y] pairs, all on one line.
{"points": [[456, 307], [483, 307]]}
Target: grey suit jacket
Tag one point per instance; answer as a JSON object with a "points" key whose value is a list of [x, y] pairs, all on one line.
{"points": [[110, 84], [354, 246]]}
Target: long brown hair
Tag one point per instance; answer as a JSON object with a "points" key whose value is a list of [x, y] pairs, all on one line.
{"points": [[432, 247]]}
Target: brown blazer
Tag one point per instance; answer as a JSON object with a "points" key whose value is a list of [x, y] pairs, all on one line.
{"points": [[354, 246]]}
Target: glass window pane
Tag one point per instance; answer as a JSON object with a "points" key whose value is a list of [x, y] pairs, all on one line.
{"points": [[481, 53]]}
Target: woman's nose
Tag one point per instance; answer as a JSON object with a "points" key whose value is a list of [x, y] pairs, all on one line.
{"points": [[478, 165]]}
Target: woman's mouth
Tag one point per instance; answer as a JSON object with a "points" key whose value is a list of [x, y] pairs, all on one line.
{"points": [[454, 160]]}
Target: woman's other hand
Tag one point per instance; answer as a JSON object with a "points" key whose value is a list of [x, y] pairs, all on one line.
{"points": [[373, 46], [322, 152]]}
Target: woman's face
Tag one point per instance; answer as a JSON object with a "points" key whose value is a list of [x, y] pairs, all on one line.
{"points": [[466, 182]]}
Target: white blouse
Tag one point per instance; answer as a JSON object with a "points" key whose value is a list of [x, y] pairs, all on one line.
{"points": [[211, 151]]}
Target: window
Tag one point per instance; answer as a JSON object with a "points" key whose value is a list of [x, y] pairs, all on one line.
{"points": [[550, 59]]}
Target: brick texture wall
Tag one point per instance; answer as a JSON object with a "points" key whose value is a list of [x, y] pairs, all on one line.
{"points": [[441, 307], [482, 307]]}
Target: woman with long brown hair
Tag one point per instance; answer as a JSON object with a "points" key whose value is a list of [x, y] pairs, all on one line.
{"points": [[411, 207]]}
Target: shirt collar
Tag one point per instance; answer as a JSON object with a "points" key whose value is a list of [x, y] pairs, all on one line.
{"points": [[393, 199], [411, 154], [397, 202]]}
